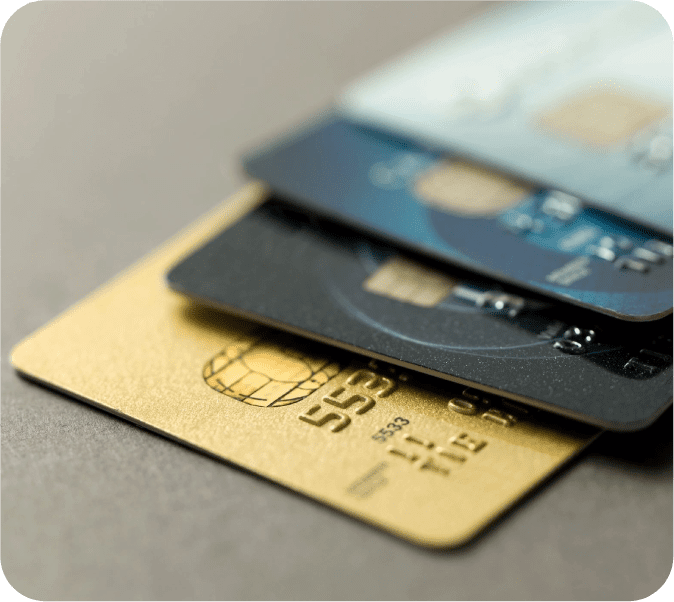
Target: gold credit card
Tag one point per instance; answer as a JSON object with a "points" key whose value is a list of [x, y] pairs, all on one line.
{"points": [[428, 460]]}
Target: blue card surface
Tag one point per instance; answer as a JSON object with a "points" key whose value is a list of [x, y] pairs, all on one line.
{"points": [[541, 239]]}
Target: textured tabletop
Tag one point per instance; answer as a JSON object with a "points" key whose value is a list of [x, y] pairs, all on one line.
{"points": [[122, 123]]}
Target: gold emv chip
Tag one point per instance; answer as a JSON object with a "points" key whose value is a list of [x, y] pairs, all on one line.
{"points": [[602, 117], [466, 189], [410, 282]]}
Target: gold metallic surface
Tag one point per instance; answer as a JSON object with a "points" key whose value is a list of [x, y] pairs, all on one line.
{"points": [[602, 117], [427, 460], [467, 189]]}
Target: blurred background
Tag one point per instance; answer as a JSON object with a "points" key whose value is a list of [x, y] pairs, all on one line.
{"points": [[123, 122]]}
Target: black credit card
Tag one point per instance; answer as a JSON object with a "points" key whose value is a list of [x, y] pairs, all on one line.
{"points": [[328, 282]]}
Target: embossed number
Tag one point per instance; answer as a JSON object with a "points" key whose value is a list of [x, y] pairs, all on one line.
{"points": [[342, 420], [368, 402], [575, 340], [391, 428], [372, 380]]}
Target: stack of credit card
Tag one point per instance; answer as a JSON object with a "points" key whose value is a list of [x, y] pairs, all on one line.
{"points": [[437, 293]]}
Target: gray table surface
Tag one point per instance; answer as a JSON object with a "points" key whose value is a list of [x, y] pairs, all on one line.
{"points": [[123, 122]]}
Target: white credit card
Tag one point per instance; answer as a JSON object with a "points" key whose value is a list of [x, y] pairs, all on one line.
{"points": [[574, 95]]}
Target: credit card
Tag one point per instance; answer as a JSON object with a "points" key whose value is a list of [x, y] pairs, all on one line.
{"points": [[318, 279], [376, 443], [542, 239], [575, 95]]}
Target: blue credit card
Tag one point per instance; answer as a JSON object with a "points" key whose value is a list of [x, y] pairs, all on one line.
{"points": [[542, 239], [576, 95]]}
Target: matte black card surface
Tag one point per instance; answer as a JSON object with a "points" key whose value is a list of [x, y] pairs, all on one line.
{"points": [[332, 284]]}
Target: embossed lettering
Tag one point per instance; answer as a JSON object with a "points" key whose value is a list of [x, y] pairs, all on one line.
{"points": [[464, 440], [449, 455], [429, 464], [408, 456], [428, 461], [424, 442], [476, 403], [462, 406], [500, 417], [575, 340]]}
